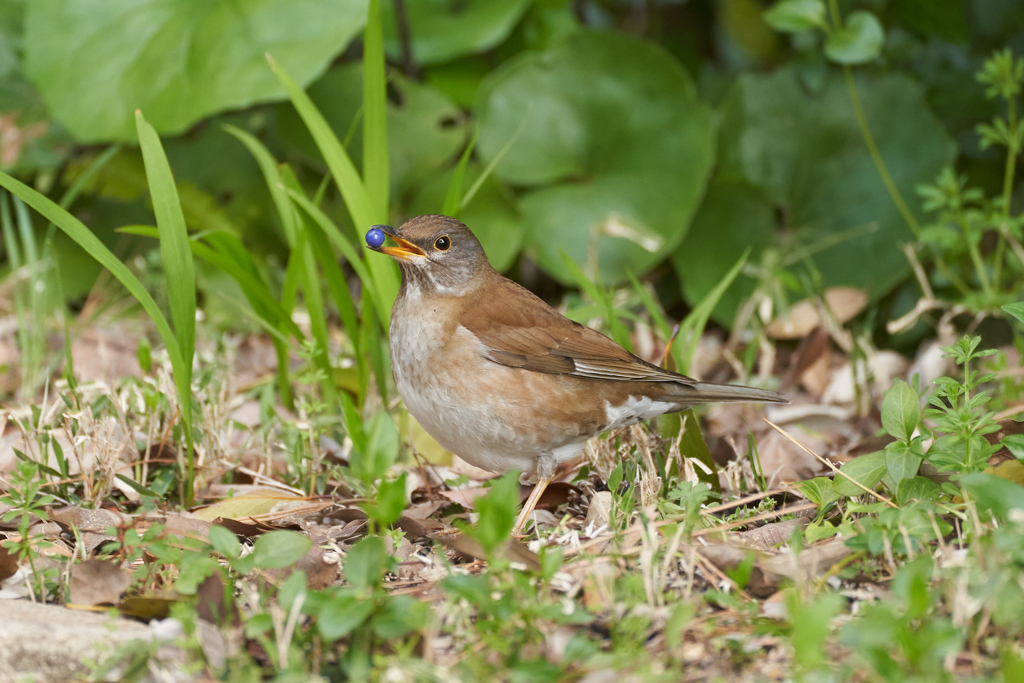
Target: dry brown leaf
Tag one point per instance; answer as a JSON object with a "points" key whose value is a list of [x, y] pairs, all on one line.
{"points": [[8, 563], [424, 510], [513, 551], [773, 567], [97, 521], [466, 497], [246, 505], [600, 508], [213, 605], [803, 316], [97, 582], [771, 535], [180, 525]]}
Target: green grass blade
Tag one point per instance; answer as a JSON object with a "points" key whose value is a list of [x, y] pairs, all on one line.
{"points": [[91, 244], [602, 298], [179, 270], [376, 174], [691, 329], [360, 207], [268, 166], [657, 317], [175, 251], [347, 250], [489, 169], [453, 197]]}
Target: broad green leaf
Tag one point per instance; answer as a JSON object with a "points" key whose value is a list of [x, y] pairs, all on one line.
{"points": [[342, 615], [442, 30], [805, 152], [279, 549], [97, 61], [867, 469], [497, 512], [858, 41], [793, 16], [615, 150], [901, 462], [820, 490], [901, 411], [1016, 310], [734, 216], [364, 563], [916, 488]]}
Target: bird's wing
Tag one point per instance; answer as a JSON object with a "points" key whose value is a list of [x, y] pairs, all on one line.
{"points": [[519, 330]]}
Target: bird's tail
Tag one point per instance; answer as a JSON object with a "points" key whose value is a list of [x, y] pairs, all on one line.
{"points": [[706, 392]]}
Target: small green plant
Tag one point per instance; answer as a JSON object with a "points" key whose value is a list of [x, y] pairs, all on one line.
{"points": [[28, 505]]}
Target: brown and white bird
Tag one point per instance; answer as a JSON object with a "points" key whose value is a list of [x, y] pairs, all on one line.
{"points": [[500, 378]]}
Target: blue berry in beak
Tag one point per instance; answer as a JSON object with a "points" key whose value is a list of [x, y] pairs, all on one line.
{"points": [[375, 237]]}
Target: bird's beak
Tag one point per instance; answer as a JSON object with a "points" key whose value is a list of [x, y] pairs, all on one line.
{"points": [[405, 251]]}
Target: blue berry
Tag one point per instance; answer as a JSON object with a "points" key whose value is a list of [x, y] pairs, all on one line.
{"points": [[374, 237]]}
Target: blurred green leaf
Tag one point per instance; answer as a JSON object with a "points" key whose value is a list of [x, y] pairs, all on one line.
{"points": [[860, 40], [279, 549], [364, 563], [381, 450], [615, 150], [442, 30], [793, 16], [994, 494], [497, 512], [399, 616], [174, 59], [225, 542], [901, 411], [945, 19], [343, 614], [390, 501], [734, 216], [807, 154], [1016, 310]]}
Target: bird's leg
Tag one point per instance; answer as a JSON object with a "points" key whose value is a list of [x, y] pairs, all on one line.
{"points": [[531, 503]]}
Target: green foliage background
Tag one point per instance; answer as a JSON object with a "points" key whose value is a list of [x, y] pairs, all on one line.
{"points": [[639, 133]]}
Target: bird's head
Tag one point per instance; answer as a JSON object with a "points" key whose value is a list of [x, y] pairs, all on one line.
{"points": [[434, 252]]}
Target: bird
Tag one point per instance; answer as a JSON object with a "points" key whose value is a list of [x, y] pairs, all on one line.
{"points": [[500, 378]]}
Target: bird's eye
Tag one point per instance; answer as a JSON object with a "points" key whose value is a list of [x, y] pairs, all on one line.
{"points": [[443, 243]]}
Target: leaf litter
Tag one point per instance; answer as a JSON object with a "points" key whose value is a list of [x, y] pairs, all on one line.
{"points": [[741, 547]]}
